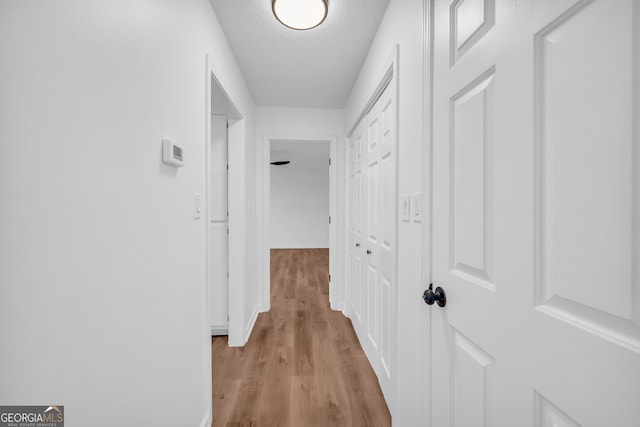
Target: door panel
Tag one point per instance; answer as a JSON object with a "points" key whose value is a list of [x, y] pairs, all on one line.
{"points": [[470, 21], [372, 121], [218, 289], [356, 229], [536, 210], [473, 378], [374, 205], [576, 204], [387, 246], [217, 227], [548, 415], [472, 186]]}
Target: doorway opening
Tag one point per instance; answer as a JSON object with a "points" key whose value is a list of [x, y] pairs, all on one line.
{"points": [[223, 141], [299, 200]]}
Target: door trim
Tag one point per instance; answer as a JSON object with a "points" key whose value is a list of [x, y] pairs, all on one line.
{"points": [[212, 82], [427, 138], [336, 286]]}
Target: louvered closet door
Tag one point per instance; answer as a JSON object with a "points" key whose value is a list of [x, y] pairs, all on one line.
{"points": [[536, 213]]}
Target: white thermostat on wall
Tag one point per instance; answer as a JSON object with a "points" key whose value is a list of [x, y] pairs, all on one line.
{"points": [[171, 153]]}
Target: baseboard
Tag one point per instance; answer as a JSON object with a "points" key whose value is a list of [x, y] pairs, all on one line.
{"points": [[252, 323], [206, 421], [217, 330], [338, 307], [300, 246]]}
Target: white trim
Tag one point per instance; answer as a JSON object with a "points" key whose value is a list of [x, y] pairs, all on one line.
{"points": [[299, 246], [427, 114], [207, 250], [251, 324], [206, 420], [217, 330], [338, 307], [390, 72], [264, 245], [232, 113]]}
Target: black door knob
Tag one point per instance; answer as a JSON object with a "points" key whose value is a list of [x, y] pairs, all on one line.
{"points": [[357, 245], [368, 251], [439, 296]]}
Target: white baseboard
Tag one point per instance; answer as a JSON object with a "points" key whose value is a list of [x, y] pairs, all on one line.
{"points": [[300, 246], [338, 307], [219, 330], [206, 421], [252, 323]]}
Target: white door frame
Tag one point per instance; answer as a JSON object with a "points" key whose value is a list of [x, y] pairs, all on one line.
{"points": [[425, 317], [265, 259], [228, 108]]}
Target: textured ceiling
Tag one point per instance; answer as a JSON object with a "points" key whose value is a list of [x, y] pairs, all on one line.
{"points": [[288, 68]]}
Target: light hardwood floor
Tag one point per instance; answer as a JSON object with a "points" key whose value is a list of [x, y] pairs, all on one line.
{"points": [[303, 365]]}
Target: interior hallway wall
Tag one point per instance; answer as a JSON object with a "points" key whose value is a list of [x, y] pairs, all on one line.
{"points": [[102, 264], [402, 25], [300, 200]]}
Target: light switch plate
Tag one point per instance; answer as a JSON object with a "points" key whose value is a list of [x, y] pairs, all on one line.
{"points": [[416, 207], [405, 207], [197, 206]]}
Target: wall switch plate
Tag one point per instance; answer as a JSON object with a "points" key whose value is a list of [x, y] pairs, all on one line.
{"points": [[197, 206], [416, 207], [405, 209]]}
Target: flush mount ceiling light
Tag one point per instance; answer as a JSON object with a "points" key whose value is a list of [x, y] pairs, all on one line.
{"points": [[300, 14]]}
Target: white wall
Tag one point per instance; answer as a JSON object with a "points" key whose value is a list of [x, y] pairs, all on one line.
{"points": [[403, 25], [102, 265], [300, 201]]}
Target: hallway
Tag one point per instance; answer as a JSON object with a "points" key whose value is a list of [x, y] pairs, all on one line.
{"points": [[302, 365]]}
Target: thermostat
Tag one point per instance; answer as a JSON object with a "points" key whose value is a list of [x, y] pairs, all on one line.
{"points": [[171, 153]]}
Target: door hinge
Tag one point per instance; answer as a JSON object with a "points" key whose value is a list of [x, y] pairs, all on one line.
{"points": [[329, 277], [329, 161], [329, 220]]}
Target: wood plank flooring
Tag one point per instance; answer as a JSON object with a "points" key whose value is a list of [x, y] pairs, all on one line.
{"points": [[303, 365]]}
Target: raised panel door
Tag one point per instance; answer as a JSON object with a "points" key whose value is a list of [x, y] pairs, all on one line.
{"points": [[536, 213]]}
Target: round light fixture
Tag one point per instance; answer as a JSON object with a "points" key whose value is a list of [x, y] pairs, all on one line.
{"points": [[300, 14]]}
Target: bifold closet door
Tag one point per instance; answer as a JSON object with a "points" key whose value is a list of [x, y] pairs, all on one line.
{"points": [[373, 206]]}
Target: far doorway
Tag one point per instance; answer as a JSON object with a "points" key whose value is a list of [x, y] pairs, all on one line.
{"points": [[299, 198]]}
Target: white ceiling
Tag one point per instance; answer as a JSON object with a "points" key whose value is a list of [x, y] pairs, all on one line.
{"points": [[289, 68]]}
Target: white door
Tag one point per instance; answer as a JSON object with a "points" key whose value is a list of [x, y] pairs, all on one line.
{"points": [[536, 213], [218, 225], [356, 231], [373, 236]]}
